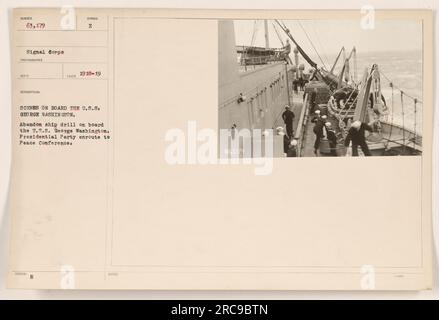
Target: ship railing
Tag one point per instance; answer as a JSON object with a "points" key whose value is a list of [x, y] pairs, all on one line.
{"points": [[301, 126]]}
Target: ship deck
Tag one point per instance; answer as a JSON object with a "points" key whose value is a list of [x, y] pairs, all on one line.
{"points": [[392, 137], [307, 149], [308, 141], [397, 139], [297, 105]]}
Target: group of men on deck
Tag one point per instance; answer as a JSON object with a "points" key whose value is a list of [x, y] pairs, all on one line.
{"points": [[323, 128], [355, 135]]}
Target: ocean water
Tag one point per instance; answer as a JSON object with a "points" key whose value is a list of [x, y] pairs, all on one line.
{"points": [[404, 69]]}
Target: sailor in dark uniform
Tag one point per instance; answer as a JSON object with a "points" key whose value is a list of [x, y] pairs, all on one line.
{"points": [[318, 131], [288, 117], [332, 138], [356, 135], [344, 95], [292, 149], [312, 100]]}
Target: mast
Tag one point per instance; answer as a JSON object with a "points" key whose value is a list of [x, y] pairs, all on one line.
{"points": [[278, 35], [267, 39]]}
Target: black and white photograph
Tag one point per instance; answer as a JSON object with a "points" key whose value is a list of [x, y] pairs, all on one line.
{"points": [[322, 88], [148, 154]]}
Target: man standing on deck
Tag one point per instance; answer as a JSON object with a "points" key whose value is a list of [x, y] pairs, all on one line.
{"points": [[288, 117], [356, 135], [292, 149], [316, 116], [318, 130], [312, 100], [286, 52], [332, 138]]}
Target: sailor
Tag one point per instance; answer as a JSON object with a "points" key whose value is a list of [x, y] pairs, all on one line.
{"points": [[332, 138], [316, 116], [303, 82], [312, 100], [356, 135], [286, 52], [292, 149], [319, 118], [287, 141], [295, 85], [318, 130], [280, 131], [288, 117]]}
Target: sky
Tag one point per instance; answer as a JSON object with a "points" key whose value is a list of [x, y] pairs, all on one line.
{"points": [[328, 36]]}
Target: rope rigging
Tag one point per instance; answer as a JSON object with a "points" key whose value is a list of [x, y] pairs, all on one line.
{"points": [[320, 43], [391, 117], [255, 32], [354, 50], [414, 136], [278, 35], [407, 136], [399, 89], [299, 48], [312, 44]]}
